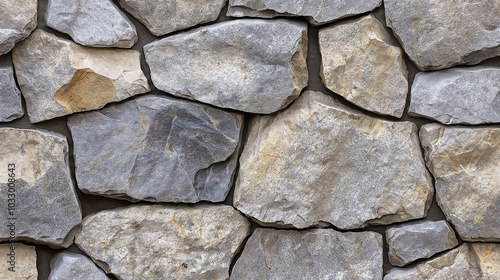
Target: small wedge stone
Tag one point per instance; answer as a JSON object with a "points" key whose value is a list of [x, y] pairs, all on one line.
{"points": [[11, 107]]}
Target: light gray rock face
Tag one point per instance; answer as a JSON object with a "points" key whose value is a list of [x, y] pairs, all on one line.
{"points": [[22, 266], [153, 241], [73, 266], [157, 149], [311, 254], [37, 196], [464, 162], [11, 107], [358, 62], [96, 23], [256, 66], [458, 95], [17, 20], [58, 77], [441, 34], [320, 163]]}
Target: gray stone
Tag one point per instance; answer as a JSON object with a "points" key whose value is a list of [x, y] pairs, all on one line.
{"points": [[96, 23], [319, 163], [418, 240], [17, 20], [36, 176], [458, 95], [441, 34], [157, 149], [66, 266], [11, 107], [24, 266], [58, 77], [358, 63], [312, 254], [153, 241], [256, 66]]}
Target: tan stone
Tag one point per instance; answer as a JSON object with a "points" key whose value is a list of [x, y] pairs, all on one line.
{"points": [[24, 262], [17, 20]]}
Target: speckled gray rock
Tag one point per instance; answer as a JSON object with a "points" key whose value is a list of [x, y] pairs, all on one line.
{"points": [[66, 265], [319, 162], [152, 241], [440, 34], [22, 266], [458, 95], [16, 22], [312, 254], [96, 23], [10, 97], [44, 208], [157, 149], [256, 66]]}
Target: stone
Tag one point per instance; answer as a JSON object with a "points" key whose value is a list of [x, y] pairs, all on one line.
{"points": [[418, 240], [18, 262], [58, 77], [37, 192], [17, 21], [73, 266], [310, 254], [458, 95], [11, 106], [319, 163], [157, 148], [359, 63], [441, 34], [96, 23], [250, 65], [152, 241], [165, 16], [464, 162]]}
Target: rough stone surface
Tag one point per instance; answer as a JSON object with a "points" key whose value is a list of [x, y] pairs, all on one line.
{"points": [[152, 241], [409, 242], [58, 77], [16, 22], [165, 16], [96, 23], [358, 62], [458, 95], [464, 162], [66, 265], [440, 34], [10, 97], [311, 254], [158, 149], [24, 266], [45, 205], [251, 65], [319, 162]]}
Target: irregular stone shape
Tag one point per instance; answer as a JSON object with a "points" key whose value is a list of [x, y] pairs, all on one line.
{"points": [[96, 23], [18, 262], [73, 266], [16, 22], [311, 254], [157, 149], [464, 162], [358, 62], [412, 241], [152, 241], [36, 177], [58, 77], [165, 16], [10, 97], [251, 65], [457, 95], [440, 34], [320, 163]]}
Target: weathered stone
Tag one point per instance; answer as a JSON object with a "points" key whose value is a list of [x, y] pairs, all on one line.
{"points": [[440, 34], [23, 266], [36, 176], [311, 254], [153, 241], [165, 16], [157, 149], [464, 162], [458, 95], [253, 65], [319, 162], [10, 97], [96, 23], [17, 20], [358, 63], [58, 77], [418, 240], [73, 266]]}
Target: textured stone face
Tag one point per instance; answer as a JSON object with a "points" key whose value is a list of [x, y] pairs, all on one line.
{"points": [[73, 266], [17, 20], [10, 97], [319, 162], [24, 263], [440, 34], [464, 162], [311, 254], [358, 63], [152, 241], [256, 66], [58, 77]]}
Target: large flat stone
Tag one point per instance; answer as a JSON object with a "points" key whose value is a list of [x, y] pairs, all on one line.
{"points": [[71, 266], [18, 262], [17, 20], [10, 97]]}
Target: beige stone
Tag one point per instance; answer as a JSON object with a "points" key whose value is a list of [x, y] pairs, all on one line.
{"points": [[22, 266], [17, 21]]}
